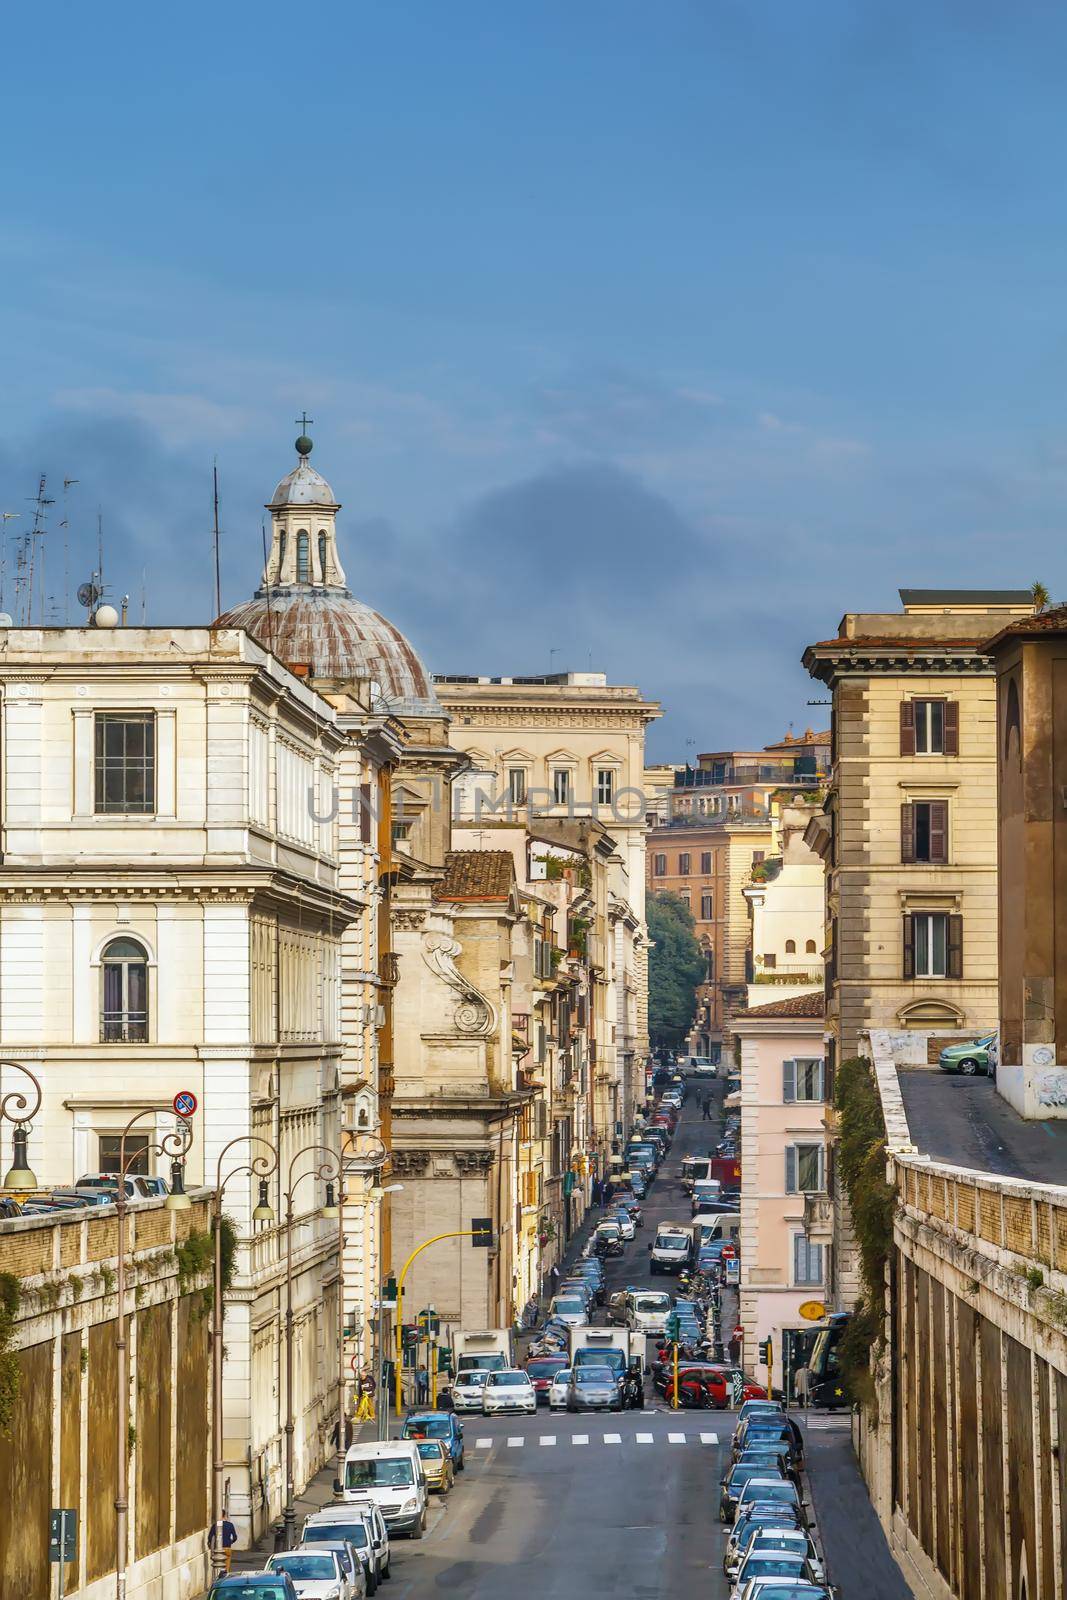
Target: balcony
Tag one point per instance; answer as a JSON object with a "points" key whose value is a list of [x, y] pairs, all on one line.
{"points": [[819, 1218]]}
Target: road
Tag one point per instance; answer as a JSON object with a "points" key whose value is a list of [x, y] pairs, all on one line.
{"points": [[625, 1506], [965, 1122]]}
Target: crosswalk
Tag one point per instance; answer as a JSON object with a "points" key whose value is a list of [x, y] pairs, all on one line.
{"points": [[549, 1441]]}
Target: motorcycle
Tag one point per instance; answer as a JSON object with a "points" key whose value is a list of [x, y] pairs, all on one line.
{"points": [[633, 1391]]}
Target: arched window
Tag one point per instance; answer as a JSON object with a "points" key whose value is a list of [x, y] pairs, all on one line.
{"points": [[322, 557], [124, 1015], [810, 947], [790, 947], [302, 559], [283, 539]]}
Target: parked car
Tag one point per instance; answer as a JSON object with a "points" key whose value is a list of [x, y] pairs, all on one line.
{"points": [[360, 1522], [763, 1564], [975, 1055], [253, 1586], [443, 1425], [508, 1390], [139, 1185], [437, 1465], [762, 1537], [734, 1481], [768, 1491], [353, 1566], [316, 1574], [570, 1310]]}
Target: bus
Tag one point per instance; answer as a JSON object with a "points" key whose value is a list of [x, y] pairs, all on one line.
{"points": [[825, 1383]]}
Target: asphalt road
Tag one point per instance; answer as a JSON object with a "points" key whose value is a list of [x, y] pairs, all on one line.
{"points": [[965, 1122], [621, 1505]]}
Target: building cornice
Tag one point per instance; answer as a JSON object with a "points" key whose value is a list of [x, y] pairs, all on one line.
{"points": [[832, 664]]}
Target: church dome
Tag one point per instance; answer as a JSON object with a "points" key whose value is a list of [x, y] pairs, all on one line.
{"points": [[304, 613], [337, 636]]}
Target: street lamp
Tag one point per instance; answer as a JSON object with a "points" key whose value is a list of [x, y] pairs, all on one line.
{"points": [[19, 1108], [175, 1145], [328, 1166], [261, 1166]]}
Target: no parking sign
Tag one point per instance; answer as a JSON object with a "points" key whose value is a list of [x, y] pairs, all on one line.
{"points": [[185, 1103]]}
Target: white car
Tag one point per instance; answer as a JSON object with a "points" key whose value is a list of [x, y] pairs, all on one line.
{"points": [[627, 1227], [795, 1540], [467, 1389], [508, 1390], [557, 1390], [570, 1311], [770, 1565], [316, 1574]]}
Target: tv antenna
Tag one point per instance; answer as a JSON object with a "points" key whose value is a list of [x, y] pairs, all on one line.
{"points": [[218, 578], [36, 537], [5, 518], [68, 483]]}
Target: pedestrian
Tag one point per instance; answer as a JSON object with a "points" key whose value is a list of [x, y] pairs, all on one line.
{"points": [[422, 1386], [229, 1539], [735, 1349], [365, 1408], [597, 1192], [606, 1192], [706, 1107]]}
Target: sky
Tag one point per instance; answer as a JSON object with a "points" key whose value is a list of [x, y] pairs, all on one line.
{"points": [[646, 338]]}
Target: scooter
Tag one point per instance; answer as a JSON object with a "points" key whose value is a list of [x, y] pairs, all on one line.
{"points": [[633, 1391]]}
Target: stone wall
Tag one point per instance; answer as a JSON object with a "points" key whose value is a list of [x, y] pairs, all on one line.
{"points": [[62, 1446]]}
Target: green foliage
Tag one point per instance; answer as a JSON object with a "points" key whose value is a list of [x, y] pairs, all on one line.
{"points": [[861, 1163], [676, 965], [106, 1279], [83, 1359], [195, 1256], [48, 1296], [10, 1294], [1040, 596], [77, 1288]]}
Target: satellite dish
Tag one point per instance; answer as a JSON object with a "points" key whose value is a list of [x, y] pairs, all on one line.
{"points": [[88, 595]]}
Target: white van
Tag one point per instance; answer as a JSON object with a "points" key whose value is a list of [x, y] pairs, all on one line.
{"points": [[647, 1311], [714, 1225], [390, 1474]]}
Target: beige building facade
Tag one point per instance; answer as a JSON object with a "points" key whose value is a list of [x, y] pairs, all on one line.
{"points": [[908, 833], [783, 1159]]}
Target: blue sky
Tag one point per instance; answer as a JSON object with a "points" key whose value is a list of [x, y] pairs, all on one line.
{"points": [[652, 336]]}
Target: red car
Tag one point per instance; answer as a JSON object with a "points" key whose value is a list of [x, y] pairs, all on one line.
{"points": [[707, 1386], [541, 1370]]}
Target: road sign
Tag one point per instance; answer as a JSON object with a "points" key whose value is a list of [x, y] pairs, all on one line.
{"points": [[185, 1103], [812, 1310], [63, 1535]]}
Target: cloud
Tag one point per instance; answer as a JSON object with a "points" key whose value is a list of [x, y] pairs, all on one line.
{"points": [[178, 419]]}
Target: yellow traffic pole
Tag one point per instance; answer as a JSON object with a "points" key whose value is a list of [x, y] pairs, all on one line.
{"points": [[462, 1233], [674, 1401]]}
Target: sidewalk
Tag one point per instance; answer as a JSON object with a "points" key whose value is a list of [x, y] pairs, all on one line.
{"points": [[318, 1493]]}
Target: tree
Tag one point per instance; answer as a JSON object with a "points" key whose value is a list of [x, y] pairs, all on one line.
{"points": [[676, 965], [1040, 596]]}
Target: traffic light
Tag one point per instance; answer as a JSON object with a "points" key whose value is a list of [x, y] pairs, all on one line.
{"points": [[411, 1335], [482, 1233], [673, 1325], [766, 1353]]}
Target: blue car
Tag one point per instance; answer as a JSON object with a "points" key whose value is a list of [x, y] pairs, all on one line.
{"points": [[254, 1586], [443, 1425]]}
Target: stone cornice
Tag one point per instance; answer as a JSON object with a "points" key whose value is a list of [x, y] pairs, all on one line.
{"points": [[859, 660]]}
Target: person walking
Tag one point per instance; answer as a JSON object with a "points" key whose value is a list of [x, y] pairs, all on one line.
{"points": [[706, 1107], [365, 1408], [422, 1386], [598, 1191], [229, 1539]]}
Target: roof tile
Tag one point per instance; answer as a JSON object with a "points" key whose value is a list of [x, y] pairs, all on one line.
{"points": [[797, 1005], [476, 875]]}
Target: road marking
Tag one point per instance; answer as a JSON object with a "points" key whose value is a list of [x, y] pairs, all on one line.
{"points": [[548, 1438], [709, 1438], [516, 1442], [579, 1438], [643, 1438], [613, 1438], [674, 1438], [482, 1444]]}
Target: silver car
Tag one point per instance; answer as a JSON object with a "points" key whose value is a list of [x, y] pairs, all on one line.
{"points": [[593, 1388]]}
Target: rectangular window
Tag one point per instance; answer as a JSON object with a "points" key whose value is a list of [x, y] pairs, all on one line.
{"points": [[686, 897], [605, 786], [804, 1169], [929, 727], [705, 862], [933, 945], [125, 762], [802, 1080], [517, 785], [659, 866], [707, 907], [683, 864], [561, 786], [924, 831], [807, 1261], [111, 1151]]}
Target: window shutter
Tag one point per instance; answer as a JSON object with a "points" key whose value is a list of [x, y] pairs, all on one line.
{"points": [[789, 1081], [955, 947], [907, 727], [791, 1169], [938, 830], [952, 727], [909, 946], [907, 831]]}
